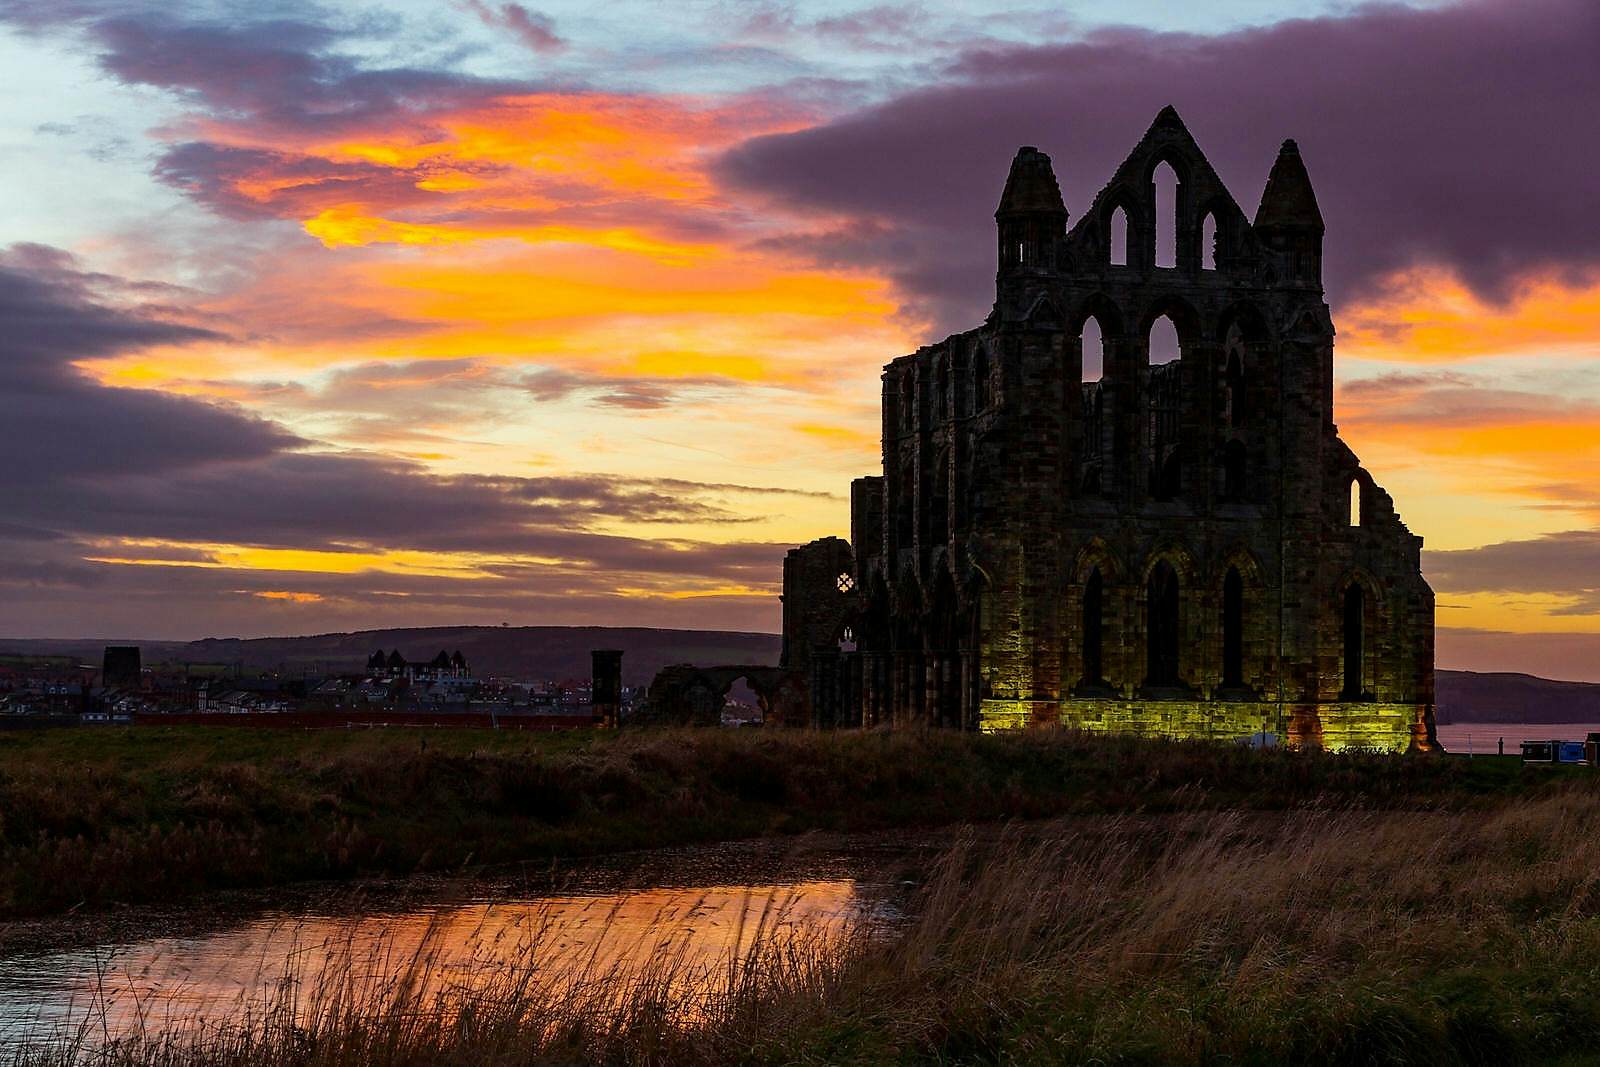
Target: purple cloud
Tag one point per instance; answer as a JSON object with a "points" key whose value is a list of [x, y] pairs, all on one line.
{"points": [[276, 74], [90, 466], [1454, 135], [60, 423], [622, 391], [532, 28], [1566, 564]]}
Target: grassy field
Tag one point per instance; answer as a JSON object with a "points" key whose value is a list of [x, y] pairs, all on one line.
{"points": [[1313, 935], [95, 816]]}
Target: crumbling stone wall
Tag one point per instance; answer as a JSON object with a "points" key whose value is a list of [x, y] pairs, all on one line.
{"points": [[686, 695], [1167, 548]]}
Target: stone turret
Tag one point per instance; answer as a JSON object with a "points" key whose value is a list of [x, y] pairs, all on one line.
{"points": [[1288, 220], [1032, 224]]}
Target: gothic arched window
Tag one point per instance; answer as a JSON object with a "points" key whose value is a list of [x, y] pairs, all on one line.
{"points": [[1094, 350], [1234, 457], [905, 506], [1208, 243], [1161, 641], [1233, 629], [1119, 238], [1354, 641], [1166, 187], [1233, 394], [1165, 346], [1093, 628], [938, 510], [1165, 398]]}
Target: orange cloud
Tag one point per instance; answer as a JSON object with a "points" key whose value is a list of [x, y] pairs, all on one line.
{"points": [[1470, 464], [1429, 315], [546, 166], [575, 230], [290, 596]]}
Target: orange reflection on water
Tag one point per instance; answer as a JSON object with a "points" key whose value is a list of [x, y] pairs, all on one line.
{"points": [[687, 942]]}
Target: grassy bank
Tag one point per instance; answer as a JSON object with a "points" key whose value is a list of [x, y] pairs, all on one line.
{"points": [[1304, 936], [97, 816]]}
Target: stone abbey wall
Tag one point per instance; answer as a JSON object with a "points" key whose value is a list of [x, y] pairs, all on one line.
{"points": [[1186, 548]]}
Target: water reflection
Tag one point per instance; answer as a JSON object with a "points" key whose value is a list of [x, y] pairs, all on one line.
{"points": [[682, 937]]}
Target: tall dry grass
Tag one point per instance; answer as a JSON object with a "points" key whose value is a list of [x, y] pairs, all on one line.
{"points": [[97, 817], [1322, 935]]}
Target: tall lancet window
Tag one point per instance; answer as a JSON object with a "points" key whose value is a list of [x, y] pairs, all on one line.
{"points": [[1093, 628], [1161, 642], [1119, 238], [1354, 641], [1166, 183], [1233, 629]]}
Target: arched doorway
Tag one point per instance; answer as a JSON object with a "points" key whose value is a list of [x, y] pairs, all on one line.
{"points": [[742, 705]]}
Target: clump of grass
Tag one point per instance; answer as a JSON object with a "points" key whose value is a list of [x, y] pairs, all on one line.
{"points": [[1319, 935], [151, 813], [1324, 936]]}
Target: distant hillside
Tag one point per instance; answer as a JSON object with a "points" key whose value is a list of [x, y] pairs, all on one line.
{"points": [[1467, 696], [522, 651]]}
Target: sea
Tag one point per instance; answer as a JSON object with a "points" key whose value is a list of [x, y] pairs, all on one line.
{"points": [[1485, 738]]}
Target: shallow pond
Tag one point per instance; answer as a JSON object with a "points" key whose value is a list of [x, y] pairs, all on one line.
{"points": [[678, 916]]}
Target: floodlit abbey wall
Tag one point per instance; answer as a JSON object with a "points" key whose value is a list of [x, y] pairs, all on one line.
{"points": [[1077, 523]]}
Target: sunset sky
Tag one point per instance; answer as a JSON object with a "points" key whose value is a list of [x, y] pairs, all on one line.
{"points": [[320, 317]]}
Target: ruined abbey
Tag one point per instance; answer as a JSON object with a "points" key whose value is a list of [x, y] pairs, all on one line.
{"points": [[1079, 533]]}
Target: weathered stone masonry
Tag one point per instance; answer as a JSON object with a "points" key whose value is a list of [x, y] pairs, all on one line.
{"points": [[1183, 549]]}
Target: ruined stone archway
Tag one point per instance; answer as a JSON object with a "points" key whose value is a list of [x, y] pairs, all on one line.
{"points": [[686, 695]]}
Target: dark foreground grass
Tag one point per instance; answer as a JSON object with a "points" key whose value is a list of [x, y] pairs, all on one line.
{"points": [[98, 816], [1306, 936]]}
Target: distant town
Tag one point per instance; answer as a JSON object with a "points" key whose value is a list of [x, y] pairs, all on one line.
{"points": [[395, 688]]}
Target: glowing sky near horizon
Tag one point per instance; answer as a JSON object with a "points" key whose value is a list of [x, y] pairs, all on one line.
{"points": [[469, 312]]}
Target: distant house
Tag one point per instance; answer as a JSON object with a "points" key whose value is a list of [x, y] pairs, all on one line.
{"points": [[444, 666]]}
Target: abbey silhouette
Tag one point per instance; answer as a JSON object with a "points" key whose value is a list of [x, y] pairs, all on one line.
{"points": [[1186, 548]]}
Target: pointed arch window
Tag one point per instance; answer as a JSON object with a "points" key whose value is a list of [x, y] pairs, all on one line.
{"points": [[1233, 630], [1234, 458], [1208, 243], [1094, 350], [1119, 238], [1233, 392], [1354, 641], [1165, 346], [1166, 189], [938, 511], [1093, 447], [905, 506], [1161, 640], [1355, 501], [1093, 628], [1165, 398]]}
